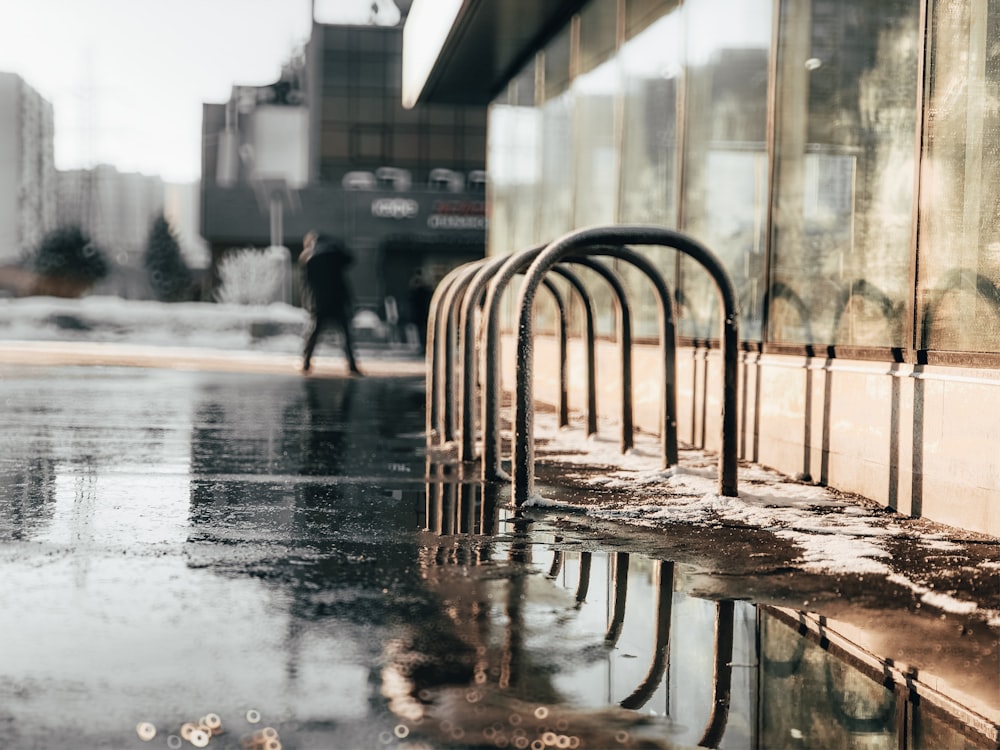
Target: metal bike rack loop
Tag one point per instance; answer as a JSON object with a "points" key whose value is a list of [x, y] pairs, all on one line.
{"points": [[625, 343], [446, 379], [668, 420], [541, 263], [469, 349], [435, 353], [590, 341]]}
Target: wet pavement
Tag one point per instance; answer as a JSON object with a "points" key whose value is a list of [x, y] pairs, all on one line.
{"points": [[276, 551]]}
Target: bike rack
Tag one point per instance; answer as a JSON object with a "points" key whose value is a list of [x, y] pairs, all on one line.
{"points": [[446, 378], [668, 421], [540, 263], [625, 343], [469, 303], [435, 353]]}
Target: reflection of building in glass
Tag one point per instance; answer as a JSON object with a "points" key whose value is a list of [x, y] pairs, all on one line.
{"points": [[27, 169], [330, 147], [837, 157]]}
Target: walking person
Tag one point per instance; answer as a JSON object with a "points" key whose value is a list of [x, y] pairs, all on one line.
{"points": [[325, 261]]}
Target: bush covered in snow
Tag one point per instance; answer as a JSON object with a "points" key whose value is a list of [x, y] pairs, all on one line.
{"points": [[254, 277]]}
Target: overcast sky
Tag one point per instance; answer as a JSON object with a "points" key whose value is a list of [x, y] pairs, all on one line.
{"points": [[127, 78]]}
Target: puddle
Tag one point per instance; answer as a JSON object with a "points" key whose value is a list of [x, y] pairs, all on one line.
{"points": [[178, 546]]}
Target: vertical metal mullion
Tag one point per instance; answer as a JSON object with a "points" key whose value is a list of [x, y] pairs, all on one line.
{"points": [[680, 146], [771, 135], [911, 328]]}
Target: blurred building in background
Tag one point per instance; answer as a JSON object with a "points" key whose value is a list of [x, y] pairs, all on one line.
{"points": [[329, 146], [27, 168]]}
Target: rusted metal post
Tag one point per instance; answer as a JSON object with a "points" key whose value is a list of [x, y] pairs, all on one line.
{"points": [[523, 460]]}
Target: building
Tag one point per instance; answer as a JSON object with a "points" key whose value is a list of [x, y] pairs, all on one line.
{"points": [[837, 156], [329, 146], [27, 169]]}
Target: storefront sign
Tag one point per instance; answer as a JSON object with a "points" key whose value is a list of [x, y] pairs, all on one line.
{"points": [[395, 208], [458, 215]]}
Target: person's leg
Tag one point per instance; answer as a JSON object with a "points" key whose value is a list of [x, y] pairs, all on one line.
{"points": [[345, 325], [311, 338]]}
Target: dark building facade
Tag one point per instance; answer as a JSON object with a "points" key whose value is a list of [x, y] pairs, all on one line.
{"points": [[330, 147]]}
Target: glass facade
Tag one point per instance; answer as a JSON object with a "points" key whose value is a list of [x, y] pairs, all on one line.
{"points": [[959, 249], [839, 157]]}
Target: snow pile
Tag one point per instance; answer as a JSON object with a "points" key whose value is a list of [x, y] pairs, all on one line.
{"points": [[274, 327], [835, 534]]}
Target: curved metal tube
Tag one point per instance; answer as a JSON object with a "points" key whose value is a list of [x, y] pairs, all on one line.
{"points": [[434, 353], [446, 378], [668, 347], [512, 265], [563, 406], [723, 678], [467, 354], [661, 649], [523, 463], [583, 585], [590, 341], [473, 297], [627, 440], [618, 609]]}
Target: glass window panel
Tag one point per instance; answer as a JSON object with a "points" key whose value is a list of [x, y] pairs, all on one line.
{"points": [[371, 73], [846, 126], [958, 285], [336, 109], [370, 109], [335, 143], [369, 145], [652, 70], [513, 167], [405, 145], [441, 148], [641, 13], [335, 74], [440, 115], [556, 63], [557, 168], [725, 176], [596, 174], [598, 24]]}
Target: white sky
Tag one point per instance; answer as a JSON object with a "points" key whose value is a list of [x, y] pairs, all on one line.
{"points": [[127, 78]]}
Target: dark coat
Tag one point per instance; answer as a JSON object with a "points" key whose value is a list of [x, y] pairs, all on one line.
{"points": [[326, 277]]}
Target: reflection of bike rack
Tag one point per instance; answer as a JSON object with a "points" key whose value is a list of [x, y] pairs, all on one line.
{"points": [[661, 648], [957, 278]]}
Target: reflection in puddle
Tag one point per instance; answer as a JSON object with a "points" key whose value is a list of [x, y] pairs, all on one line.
{"points": [[280, 544]]}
